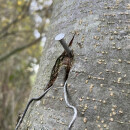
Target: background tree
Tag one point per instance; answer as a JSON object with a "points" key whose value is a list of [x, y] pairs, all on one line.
{"points": [[99, 79], [23, 24]]}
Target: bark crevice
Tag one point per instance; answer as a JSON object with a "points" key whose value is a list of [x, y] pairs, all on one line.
{"points": [[62, 60]]}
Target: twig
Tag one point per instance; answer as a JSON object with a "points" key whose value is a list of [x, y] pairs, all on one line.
{"points": [[70, 106], [31, 100], [24, 13], [4, 57]]}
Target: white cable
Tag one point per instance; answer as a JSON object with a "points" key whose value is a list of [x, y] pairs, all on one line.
{"points": [[70, 106]]}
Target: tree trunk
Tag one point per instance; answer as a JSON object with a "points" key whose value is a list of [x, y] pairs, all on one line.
{"points": [[99, 78]]}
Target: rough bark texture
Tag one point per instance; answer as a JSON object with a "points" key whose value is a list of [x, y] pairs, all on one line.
{"points": [[99, 78]]}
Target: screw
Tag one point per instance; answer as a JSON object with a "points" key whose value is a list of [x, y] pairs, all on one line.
{"points": [[60, 38]]}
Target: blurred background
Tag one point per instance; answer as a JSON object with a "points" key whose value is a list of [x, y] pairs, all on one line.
{"points": [[23, 25]]}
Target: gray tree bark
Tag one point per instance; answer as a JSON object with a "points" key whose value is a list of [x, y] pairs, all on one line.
{"points": [[99, 78]]}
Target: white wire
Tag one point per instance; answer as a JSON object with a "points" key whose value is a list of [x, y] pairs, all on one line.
{"points": [[66, 100], [70, 106]]}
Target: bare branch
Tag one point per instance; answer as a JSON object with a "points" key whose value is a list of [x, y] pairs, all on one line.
{"points": [[14, 33], [25, 7], [4, 57]]}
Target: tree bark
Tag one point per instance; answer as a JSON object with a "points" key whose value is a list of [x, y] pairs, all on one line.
{"points": [[99, 77]]}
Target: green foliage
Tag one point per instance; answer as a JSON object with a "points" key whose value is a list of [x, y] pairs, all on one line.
{"points": [[17, 75]]}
